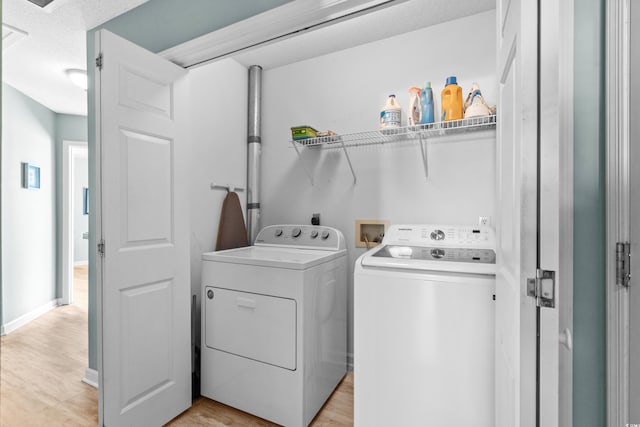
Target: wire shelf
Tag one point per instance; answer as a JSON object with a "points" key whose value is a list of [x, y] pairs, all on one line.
{"points": [[421, 133], [390, 135]]}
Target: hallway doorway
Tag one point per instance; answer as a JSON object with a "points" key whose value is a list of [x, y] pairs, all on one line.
{"points": [[75, 214]]}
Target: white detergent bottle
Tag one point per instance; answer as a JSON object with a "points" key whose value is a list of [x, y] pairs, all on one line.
{"points": [[475, 105], [391, 114], [415, 112]]}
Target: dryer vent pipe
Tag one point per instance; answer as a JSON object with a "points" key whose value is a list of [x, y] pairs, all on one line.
{"points": [[254, 149]]}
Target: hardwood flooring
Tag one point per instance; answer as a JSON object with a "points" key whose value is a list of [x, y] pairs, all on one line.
{"points": [[338, 411], [42, 364], [41, 367]]}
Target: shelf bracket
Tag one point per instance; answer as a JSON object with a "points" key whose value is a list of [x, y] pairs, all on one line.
{"points": [[425, 162], [346, 154], [306, 170]]}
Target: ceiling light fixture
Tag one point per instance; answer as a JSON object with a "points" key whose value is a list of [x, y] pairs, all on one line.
{"points": [[78, 77], [41, 3]]}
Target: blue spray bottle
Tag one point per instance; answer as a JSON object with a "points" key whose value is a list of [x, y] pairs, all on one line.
{"points": [[426, 104]]}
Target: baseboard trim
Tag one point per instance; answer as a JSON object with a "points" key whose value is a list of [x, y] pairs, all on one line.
{"points": [[28, 317], [80, 263], [91, 377]]}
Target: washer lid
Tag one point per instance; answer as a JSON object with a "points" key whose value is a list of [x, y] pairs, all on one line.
{"points": [[457, 260], [278, 257]]}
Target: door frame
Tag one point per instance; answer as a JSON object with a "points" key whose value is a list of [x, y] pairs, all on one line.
{"points": [[556, 209], [69, 150], [617, 190]]}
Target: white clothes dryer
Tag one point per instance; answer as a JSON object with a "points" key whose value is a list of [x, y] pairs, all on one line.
{"points": [[424, 328], [274, 323]]}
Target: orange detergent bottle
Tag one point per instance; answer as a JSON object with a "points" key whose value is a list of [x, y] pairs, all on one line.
{"points": [[452, 100]]}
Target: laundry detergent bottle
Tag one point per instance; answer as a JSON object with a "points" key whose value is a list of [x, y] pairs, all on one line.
{"points": [[415, 111], [451, 100], [391, 114], [475, 105], [426, 104]]}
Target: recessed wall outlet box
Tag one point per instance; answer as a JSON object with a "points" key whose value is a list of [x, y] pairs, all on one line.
{"points": [[369, 232], [315, 219], [484, 220]]}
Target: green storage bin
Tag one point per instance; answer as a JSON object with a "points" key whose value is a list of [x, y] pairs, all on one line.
{"points": [[303, 132]]}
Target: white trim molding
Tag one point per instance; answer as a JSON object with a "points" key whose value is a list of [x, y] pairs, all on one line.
{"points": [[28, 317], [617, 151], [566, 211], [70, 150], [91, 377]]}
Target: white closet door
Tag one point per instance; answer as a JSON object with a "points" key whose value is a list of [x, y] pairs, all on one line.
{"points": [[144, 283], [516, 213]]}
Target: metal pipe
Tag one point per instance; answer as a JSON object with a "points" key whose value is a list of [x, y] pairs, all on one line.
{"points": [[254, 149]]}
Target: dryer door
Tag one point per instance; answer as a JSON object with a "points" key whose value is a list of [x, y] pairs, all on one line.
{"points": [[255, 326]]}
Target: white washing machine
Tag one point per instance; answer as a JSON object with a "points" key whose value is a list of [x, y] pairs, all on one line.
{"points": [[274, 323], [424, 328]]}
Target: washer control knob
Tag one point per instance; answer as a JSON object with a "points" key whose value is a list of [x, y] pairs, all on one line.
{"points": [[325, 235], [278, 232], [437, 235], [296, 232], [314, 234], [210, 294]]}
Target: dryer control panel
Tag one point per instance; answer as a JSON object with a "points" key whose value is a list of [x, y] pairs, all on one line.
{"points": [[301, 236], [451, 236]]}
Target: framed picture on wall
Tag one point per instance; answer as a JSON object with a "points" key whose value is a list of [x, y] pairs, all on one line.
{"points": [[30, 176], [85, 201]]}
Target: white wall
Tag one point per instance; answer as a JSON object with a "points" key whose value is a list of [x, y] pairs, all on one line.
{"points": [[219, 150], [80, 221], [344, 91]]}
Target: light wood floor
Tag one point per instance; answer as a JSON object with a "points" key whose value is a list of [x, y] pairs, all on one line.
{"points": [[42, 363], [338, 411]]}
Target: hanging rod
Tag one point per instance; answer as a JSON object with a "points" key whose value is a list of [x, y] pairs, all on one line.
{"points": [[228, 187]]}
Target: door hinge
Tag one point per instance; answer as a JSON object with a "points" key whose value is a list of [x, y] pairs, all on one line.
{"points": [[99, 61], [543, 288], [623, 264], [101, 247]]}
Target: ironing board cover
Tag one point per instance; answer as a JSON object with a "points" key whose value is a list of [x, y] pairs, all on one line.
{"points": [[232, 232]]}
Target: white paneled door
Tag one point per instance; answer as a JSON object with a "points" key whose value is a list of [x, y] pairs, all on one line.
{"points": [[516, 213], [533, 371], [143, 283]]}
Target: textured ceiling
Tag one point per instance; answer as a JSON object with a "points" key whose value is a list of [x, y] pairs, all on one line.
{"points": [[56, 40], [35, 64]]}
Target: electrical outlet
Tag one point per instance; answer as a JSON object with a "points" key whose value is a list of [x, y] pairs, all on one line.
{"points": [[315, 219], [484, 220]]}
